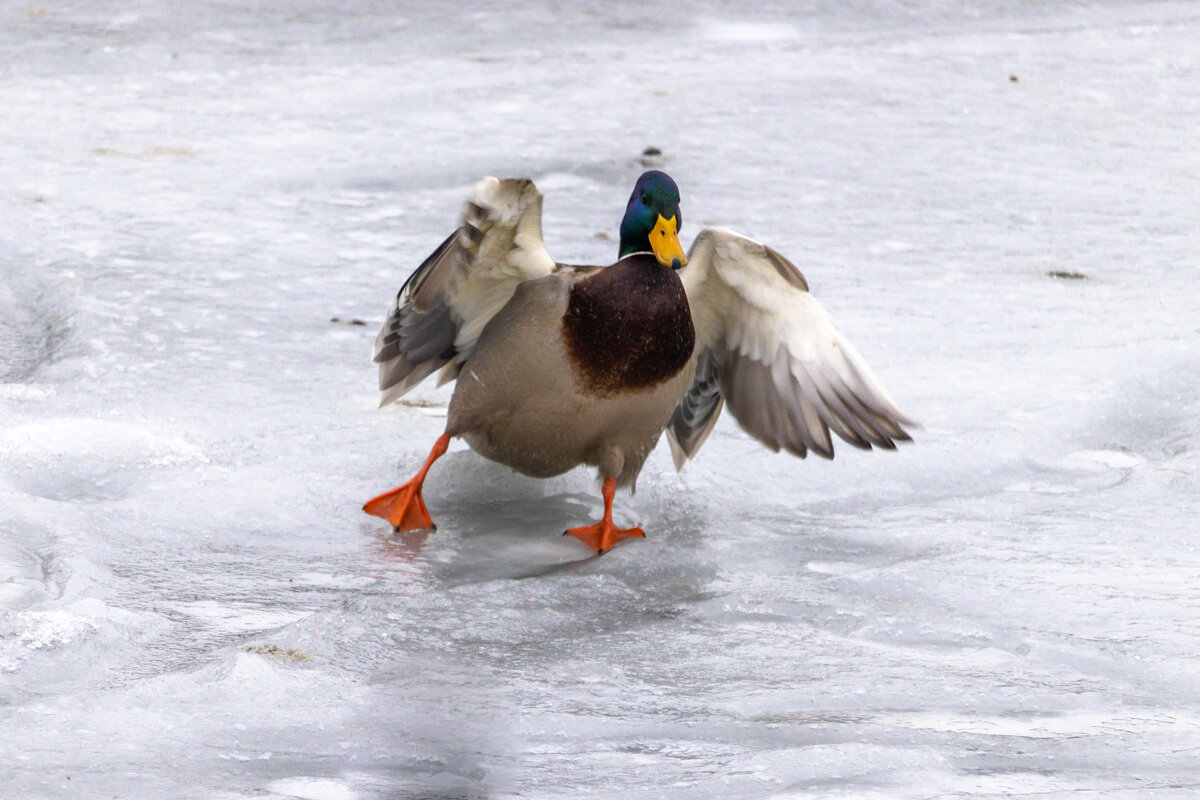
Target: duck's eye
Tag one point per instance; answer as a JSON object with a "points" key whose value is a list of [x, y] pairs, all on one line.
{"points": [[645, 199]]}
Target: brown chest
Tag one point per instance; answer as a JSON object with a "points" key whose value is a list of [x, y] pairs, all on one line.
{"points": [[628, 326]]}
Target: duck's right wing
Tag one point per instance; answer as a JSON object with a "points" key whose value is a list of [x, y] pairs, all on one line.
{"points": [[767, 349], [443, 306]]}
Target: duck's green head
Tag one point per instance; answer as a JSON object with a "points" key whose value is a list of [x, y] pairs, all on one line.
{"points": [[652, 220]]}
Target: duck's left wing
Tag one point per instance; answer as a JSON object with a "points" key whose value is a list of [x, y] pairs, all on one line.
{"points": [[768, 350], [446, 302]]}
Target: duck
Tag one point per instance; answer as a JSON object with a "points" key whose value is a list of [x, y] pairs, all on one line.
{"points": [[557, 365]]}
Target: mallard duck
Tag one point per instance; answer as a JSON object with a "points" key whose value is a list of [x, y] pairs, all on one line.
{"points": [[560, 365]]}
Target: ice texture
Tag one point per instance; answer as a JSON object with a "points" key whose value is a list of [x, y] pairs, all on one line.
{"points": [[996, 201]]}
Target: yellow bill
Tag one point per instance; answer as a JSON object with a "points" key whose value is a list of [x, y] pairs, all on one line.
{"points": [[665, 242]]}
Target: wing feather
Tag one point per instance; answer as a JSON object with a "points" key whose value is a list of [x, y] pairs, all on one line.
{"points": [[769, 352], [698, 411], [445, 303]]}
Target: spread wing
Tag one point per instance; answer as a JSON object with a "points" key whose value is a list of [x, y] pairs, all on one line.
{"points": [[767, 349], [445, 303]]}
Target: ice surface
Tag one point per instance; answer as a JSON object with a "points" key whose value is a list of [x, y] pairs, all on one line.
{"points": [[192, 604]]}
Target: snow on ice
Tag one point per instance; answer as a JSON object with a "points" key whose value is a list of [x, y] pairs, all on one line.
{"points": [[201, 198]]}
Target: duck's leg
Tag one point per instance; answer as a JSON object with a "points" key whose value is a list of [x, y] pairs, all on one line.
{"points": [[403, 506], [603, 536]]}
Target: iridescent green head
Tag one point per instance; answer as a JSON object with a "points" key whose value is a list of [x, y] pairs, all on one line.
{"points": [[652, 220]]}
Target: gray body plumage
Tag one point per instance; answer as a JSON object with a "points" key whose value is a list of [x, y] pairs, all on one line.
{"points": [[519, 401]]}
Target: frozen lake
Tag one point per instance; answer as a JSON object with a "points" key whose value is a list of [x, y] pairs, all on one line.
{"points": [[192, 604]]}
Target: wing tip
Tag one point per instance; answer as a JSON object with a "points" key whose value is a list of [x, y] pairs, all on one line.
{"points": [[678, 455], [499, 199]]}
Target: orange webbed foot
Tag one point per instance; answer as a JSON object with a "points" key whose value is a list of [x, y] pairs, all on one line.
{"points": [[403, 507], [604, 536]]}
